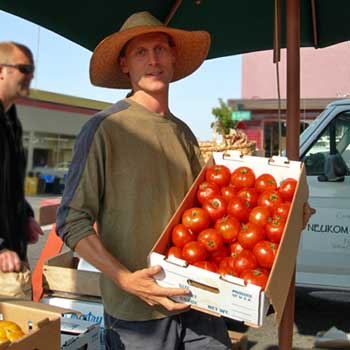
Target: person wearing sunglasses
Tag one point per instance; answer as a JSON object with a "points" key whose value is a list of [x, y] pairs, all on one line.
{"points": [[17, 224]]}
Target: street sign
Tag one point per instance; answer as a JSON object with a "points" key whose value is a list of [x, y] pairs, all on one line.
{"points": [[241, 115]]}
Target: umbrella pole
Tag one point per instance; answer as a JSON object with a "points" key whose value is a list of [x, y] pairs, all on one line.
{"points": [[285, 331]]}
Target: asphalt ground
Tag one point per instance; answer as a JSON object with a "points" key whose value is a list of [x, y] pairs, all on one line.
{"points": [[315, 311]]}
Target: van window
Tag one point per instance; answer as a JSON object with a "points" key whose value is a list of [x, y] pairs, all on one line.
{"points": [[334, 139]]}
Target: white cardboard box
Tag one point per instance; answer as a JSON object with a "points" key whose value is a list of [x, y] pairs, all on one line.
{"points": [[89, 311], [77, 334], [229, 296]]}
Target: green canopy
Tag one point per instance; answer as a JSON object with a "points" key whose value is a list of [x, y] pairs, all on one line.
{"points": [[235, 26]]}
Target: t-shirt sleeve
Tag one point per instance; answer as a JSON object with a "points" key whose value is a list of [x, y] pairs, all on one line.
{"points": [[84, 187]]}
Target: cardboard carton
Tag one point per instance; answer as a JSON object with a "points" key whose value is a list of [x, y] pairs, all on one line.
{"points": [[227, 295], [40, 323], [62, 275]]}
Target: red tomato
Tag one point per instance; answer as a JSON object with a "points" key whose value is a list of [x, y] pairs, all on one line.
{"points": [[265, 182], [250, 195], [194, 251], [207, 265], [216, 207], [211, 239], [281, 211], [228, 227], [180, 235], [228, 192], [217, 255], [260, 216], [256, 277], [239, 209], [269, 199], [243, 177], [195, 219], [274, 230], [227, 266], [287, 189], [207, 190], [250, 235], [235, 249], [246, 260], [265, 252], [174, 251], [218, 174]]}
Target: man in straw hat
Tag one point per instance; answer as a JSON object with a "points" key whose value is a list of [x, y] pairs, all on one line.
{"points": [[133, 164]]}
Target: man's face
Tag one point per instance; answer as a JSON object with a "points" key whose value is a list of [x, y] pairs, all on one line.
{"points": [[16, 83], [149, 62]]}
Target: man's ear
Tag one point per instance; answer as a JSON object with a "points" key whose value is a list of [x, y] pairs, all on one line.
{"points": [[123, 65]]}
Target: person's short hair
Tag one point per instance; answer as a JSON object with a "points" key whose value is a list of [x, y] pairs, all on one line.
{"points": [[7, 49]]}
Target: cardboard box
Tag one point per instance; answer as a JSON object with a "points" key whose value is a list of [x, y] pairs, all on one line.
{"points": [[89, 311], [40, 323], [77, 334], [62, 275], [228, 296]]}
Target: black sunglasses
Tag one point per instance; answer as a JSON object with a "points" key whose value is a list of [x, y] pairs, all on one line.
{"points": [[23, 68]]}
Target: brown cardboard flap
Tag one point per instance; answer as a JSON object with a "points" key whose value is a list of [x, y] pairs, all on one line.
{"points": [[284, 266]]}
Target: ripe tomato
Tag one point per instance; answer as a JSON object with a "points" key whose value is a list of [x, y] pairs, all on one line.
{"points": [[239, 209], [217, 255], [250, 235], [227, 266], [174, 251], [243, 177], [246, 260], [218, 174], [265, 252], [265, 182], [180, 235], [195, 219], [287, 189], [211, 239], [260, 216], [235, 249], [194, 251], [250, 195], [281, 211], [207, 190], [216, 207], [269, 199], [228, 192], [274, 230], [256, 277], [207, 265], [228, 227]]}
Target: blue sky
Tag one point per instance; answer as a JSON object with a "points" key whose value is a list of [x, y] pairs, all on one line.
{"points": [[62, 67]]}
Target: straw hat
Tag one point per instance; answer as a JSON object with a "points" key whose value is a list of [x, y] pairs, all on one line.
{"points": [[191, 50]]}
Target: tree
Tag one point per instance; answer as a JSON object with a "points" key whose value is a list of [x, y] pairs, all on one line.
{"points": [[223, 116]]}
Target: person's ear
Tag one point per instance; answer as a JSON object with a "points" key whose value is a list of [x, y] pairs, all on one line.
{"points": [[123, 65]]}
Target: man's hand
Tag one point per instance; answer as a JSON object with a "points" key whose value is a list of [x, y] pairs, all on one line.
{"points": [[308, 211], [33, 231], [9, 261], [142, 284]]}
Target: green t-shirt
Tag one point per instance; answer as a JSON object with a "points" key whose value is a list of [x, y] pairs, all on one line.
{"points": [[130, 171]]}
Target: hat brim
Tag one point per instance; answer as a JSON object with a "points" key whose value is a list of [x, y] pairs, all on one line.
{"points": [[191, 50]]}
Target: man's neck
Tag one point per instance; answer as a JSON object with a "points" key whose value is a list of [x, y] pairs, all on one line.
{"points": [[154, 103], [6, 103]]}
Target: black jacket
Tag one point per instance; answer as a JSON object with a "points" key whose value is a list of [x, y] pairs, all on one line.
{"points": [[14, 210]]}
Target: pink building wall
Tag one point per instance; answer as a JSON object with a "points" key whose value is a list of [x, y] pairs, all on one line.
{"points": [[324, 73]]}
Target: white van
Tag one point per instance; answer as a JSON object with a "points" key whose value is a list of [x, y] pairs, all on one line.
{"points": [[323, 260]]}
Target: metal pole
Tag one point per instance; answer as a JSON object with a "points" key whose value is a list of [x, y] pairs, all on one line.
{"points": [[293, 121]]}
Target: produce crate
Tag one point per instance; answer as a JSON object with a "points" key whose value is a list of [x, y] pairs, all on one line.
{"points": [[229, 296], [40, 323], [62, 275]]}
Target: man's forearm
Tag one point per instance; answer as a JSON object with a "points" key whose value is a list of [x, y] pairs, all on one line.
{"points": [[93, 251]]}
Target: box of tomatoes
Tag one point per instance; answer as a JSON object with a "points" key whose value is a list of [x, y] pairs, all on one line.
{"points": [[234, 238]]}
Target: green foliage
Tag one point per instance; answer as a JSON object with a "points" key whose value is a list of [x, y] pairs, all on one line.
{"points": [[223, 116]]}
